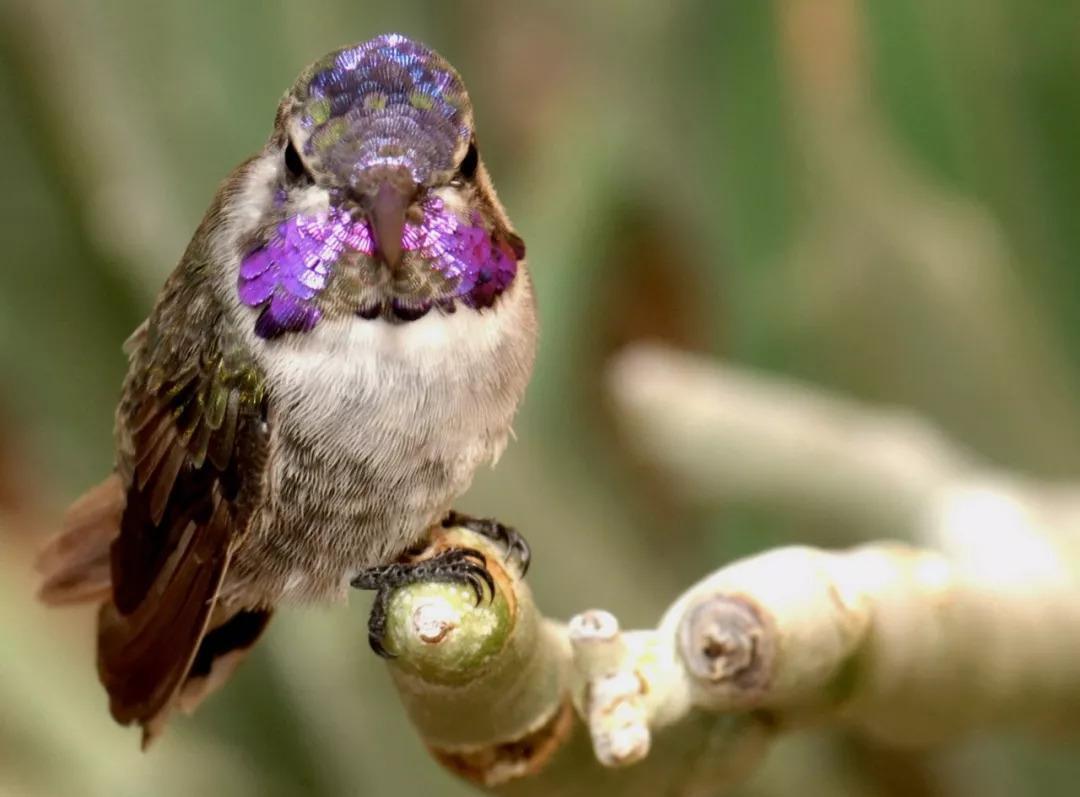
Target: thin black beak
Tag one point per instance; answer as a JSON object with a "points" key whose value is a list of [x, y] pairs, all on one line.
{"points": [[387, 217]]}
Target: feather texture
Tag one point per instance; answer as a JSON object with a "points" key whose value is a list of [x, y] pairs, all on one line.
{"points": [[193, 436]]}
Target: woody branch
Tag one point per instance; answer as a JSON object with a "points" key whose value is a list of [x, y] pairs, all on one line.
{"points": [[974, 621]]}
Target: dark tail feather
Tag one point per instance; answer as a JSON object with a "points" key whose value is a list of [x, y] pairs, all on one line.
{"points": [[222, 649], [76, 568], [75, 563]]}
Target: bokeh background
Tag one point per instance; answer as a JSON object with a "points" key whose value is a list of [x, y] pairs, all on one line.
{"points": [[881, 197]]}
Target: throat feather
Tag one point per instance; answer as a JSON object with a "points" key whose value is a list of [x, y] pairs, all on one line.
{"points": [[327, 262]]}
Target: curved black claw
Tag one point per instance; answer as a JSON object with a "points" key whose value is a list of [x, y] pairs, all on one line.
{"points": [[516, 548], [455, 566]]}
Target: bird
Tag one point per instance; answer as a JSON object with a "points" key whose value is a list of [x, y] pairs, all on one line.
{"points": [[345, 340]]}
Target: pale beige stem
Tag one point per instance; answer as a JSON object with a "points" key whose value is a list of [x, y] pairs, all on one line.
{"points": [[977, 625]]}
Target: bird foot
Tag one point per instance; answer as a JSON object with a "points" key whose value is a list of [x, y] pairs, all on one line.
{"points": [[455, 566], [516, 549]]}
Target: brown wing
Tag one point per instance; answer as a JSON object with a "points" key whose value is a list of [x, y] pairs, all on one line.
{"points": [[195, 423]]}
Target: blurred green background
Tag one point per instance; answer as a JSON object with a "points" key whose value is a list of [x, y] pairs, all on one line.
{"points": [[878, 196]]}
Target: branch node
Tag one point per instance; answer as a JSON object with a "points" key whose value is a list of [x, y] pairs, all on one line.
{"points": [[597, 644], [593, 625], [432, 620], [618, 719], [610, 692], [728, 646]]}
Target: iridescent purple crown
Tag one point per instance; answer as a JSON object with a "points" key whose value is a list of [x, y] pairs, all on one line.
{"points": [[388, 101]]}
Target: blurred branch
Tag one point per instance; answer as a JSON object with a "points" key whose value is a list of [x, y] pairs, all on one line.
{"points": [[911, 645], [720, 434]]}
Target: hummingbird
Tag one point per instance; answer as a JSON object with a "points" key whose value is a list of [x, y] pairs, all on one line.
{"points": [[345, 340]]}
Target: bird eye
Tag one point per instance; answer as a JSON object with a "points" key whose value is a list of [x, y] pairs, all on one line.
{"points": [[467, 167], [293, 162]]}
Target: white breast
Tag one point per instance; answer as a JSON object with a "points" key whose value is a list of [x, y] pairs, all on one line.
{"points": [[357, 379]]}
